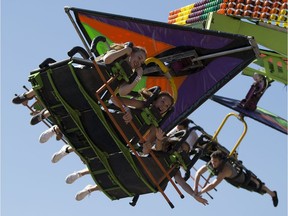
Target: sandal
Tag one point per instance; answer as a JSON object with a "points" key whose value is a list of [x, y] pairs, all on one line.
{"points": [[58, 133], [21, 98], [37, 118]]}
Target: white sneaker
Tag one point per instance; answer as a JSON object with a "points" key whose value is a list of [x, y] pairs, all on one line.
{"points": [[46, 135], [83, 193], [60, 154], [72, 177]]}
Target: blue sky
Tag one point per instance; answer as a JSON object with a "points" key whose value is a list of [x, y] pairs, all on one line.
{"points": [[31, 185]]}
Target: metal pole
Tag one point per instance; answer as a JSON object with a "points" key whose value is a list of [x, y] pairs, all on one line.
{"points": [[67, 10], [222, 53]]}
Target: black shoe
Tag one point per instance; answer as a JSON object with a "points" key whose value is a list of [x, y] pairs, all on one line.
{"points": [[275, 199], [37, 118], [20, 99]]}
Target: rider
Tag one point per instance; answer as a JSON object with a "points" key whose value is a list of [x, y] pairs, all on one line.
{"points": [[255, 92], [234, 173]]}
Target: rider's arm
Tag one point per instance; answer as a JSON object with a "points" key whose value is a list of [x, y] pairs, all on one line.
{"points": [[126, 88], [214, 183], [112, 55], [199, 172]]}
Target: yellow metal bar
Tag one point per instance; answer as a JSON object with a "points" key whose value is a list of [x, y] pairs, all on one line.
{"points": [[240, 138], [240, 118], [165, 70]]}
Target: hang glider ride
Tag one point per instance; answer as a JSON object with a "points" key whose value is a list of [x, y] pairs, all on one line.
{"points": [[260, 115], [192, 64]]}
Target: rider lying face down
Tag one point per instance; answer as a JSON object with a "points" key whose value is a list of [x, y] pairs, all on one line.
{"points": [[223, 169]]}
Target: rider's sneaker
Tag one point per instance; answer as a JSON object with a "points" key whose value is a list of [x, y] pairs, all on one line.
{"points": [[83, 193], [46, 135], [72, 177], [60, 154], [275, 199], [20, 99], [38, 117]]}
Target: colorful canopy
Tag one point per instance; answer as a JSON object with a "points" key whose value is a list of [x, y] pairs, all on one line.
{"points": [[220, 56], [259, 114]]}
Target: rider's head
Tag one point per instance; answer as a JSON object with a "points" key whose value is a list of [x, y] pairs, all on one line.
{"points": [[217, 158], [137, 57], [163, 102]]}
